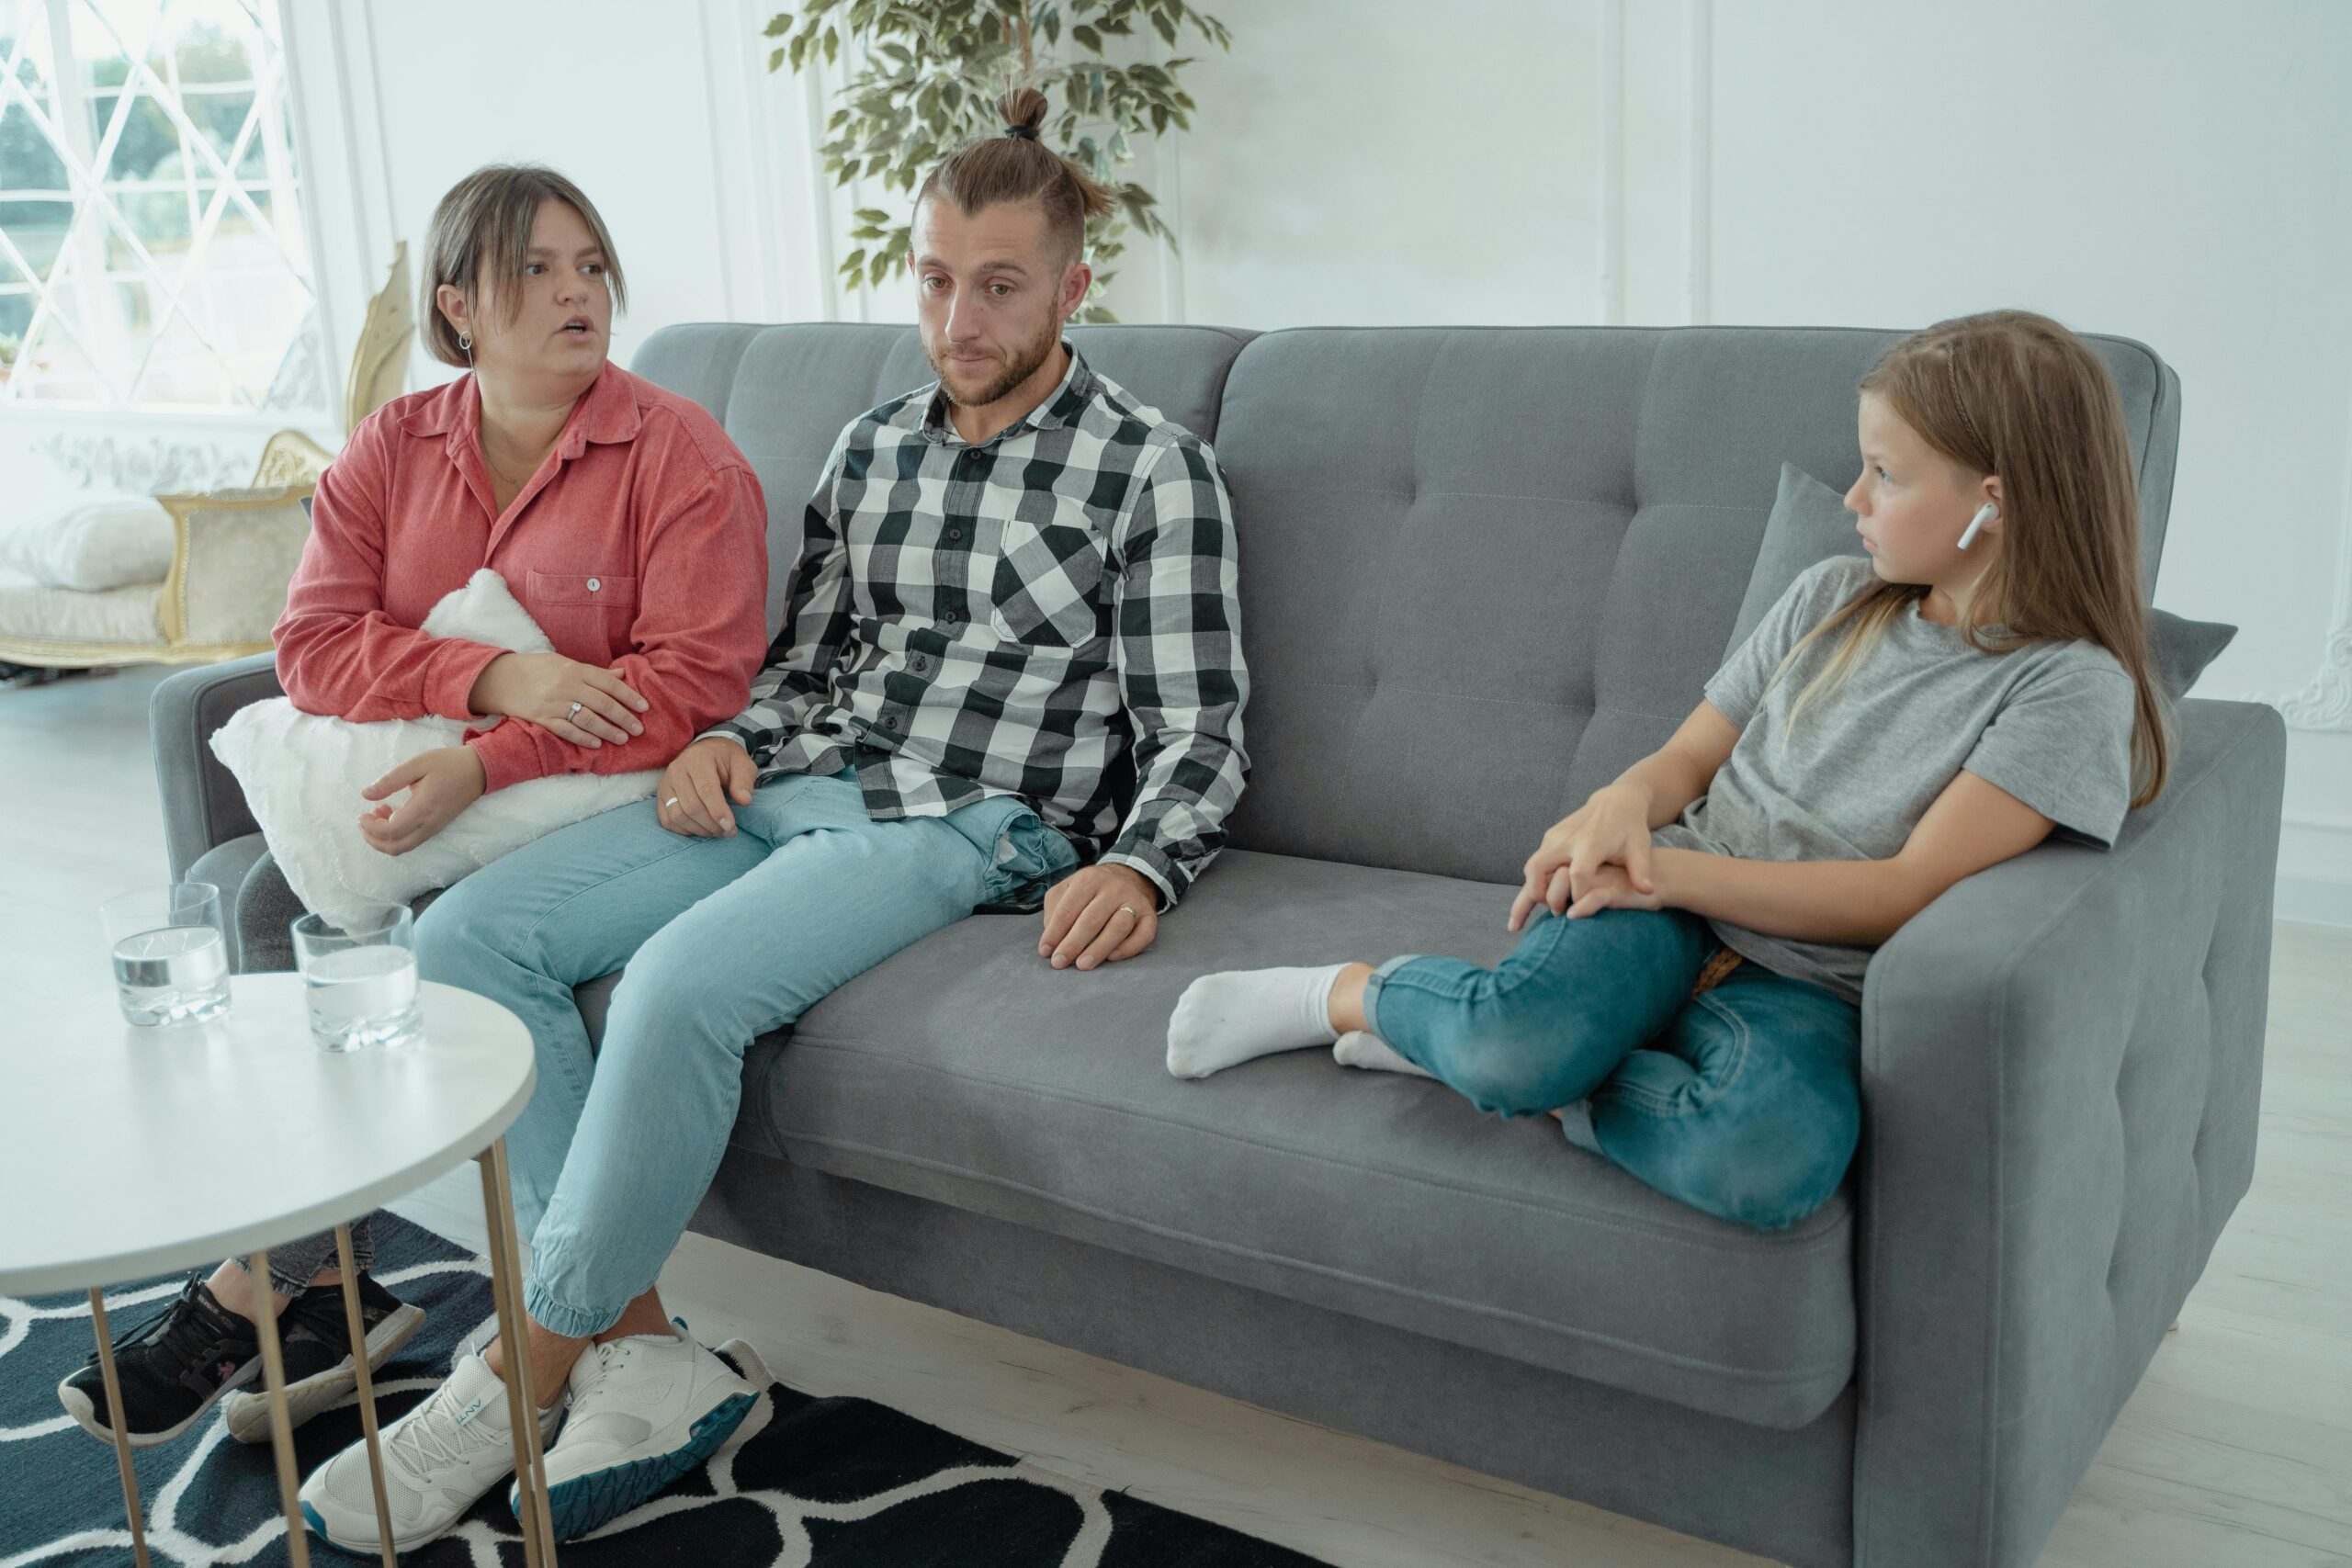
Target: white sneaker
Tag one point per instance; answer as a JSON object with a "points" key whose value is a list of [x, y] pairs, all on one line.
{"points": [[645, 1410], [439, 1459]]}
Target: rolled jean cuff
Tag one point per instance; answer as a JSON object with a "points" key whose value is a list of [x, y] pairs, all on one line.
{"points": [[1576, 1125], [1372, 991], [561, 1318]]}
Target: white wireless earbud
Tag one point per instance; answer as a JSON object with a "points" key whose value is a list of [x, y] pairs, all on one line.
{"points": [[1984, 514]]}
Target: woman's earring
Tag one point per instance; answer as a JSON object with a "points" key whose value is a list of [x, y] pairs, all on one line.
{"points": [[465, 342]]}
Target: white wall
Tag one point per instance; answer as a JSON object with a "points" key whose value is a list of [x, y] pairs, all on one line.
{"points": [[2179, 173]]}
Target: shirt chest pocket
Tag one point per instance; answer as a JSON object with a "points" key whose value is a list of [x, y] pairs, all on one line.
{"points": [[1047, 588], [590, 611]]}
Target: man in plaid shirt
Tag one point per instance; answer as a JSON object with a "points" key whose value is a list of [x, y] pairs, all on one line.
{"points": [[991, 605], [1017, 593]]}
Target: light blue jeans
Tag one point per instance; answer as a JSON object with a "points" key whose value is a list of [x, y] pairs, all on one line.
{"points": [[724, 939], [1743, 1101]]}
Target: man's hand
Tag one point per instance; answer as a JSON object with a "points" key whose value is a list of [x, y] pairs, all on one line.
{"points": [[441, 783], [694, 789], [1099, 915]]}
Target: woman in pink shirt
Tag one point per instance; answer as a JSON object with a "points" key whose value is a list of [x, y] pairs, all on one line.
{"points": [[631, 529], [620, 514]]}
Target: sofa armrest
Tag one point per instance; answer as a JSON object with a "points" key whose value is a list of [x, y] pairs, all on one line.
{"points": [[2061, 1071], [202, 804]]}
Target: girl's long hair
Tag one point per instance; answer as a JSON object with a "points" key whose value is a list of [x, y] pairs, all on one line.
{"points": [[2012, 393]]}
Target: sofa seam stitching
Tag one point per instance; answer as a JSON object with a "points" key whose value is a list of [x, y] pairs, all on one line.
{"points": [[1808, 1243], [1758, 1376]]}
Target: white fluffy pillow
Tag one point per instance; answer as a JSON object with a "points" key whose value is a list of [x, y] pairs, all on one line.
{"points": [[121, 543], [302, 774]]}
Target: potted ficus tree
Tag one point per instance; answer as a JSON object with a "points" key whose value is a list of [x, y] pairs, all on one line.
{"points": [[925, 76]]}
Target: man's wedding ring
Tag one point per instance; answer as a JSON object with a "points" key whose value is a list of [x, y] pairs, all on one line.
{"points": [[1129, 910], [574, 713], [672, 801]]}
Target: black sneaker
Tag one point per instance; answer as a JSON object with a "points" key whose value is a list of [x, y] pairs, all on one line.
{"points": [[172, 1368], [315, 1338]]}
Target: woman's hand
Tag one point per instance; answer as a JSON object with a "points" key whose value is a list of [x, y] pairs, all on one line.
{"points": [[576, 702], [441, 783], [695, 789], [1612, 829]]}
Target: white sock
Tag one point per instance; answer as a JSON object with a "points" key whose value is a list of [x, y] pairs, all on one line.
{"points": [[1359, 1048], [1222, 1020]]}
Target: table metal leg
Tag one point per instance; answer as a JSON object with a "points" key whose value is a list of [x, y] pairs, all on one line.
{"points": [[535, 1517], [121, 1433], [281, 1427], [355, 1325]]}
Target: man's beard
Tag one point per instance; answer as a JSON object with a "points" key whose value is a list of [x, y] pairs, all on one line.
{"points": [[1023, 365]]}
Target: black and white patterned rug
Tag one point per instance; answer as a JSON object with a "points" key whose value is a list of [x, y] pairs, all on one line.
{"points": [[825, 1483]]}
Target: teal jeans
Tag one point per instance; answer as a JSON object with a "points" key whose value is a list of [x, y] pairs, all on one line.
{"points": [[724, 939], [1743, 1101]]}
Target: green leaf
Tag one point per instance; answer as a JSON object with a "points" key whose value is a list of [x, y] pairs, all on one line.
{"points": [[775, 58], [832, 46], [778, 25], [850, 262], [871, 215], [1087, 38], [799, 53], [1158, 119]]}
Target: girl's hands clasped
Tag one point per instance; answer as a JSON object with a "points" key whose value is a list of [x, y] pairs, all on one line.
{"points": [[575, 702], [1597, 857]]}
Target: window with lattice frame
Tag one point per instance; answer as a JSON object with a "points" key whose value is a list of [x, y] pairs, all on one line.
{"points": [[154, 249]]}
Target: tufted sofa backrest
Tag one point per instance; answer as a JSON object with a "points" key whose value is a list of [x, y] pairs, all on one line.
{"points": [[1486, 569], [1482, 568]]}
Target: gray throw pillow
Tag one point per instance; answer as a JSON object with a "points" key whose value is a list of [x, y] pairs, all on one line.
{"points": [[1810, 523]]}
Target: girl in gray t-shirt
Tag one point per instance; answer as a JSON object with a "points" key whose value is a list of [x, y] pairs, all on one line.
{"points": [[1698, 934]]}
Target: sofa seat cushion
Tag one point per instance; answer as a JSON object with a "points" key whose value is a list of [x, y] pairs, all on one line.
{"points": [[965, 1071]]}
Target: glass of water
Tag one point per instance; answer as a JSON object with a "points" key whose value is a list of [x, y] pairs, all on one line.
{"points": [[170, 962], [359, 974]]}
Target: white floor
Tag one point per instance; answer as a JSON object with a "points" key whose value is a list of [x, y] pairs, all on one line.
{"points": [[2235, 1452]]}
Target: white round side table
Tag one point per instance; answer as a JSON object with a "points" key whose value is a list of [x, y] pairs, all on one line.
{"points": [[232, 1136]]}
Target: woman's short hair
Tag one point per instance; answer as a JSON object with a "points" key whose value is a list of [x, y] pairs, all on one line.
{"points": [[481, 231]]}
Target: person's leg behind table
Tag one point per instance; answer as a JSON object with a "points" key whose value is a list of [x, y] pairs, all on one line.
{"points": [[836, 894], [522, 932], [840, 893]]}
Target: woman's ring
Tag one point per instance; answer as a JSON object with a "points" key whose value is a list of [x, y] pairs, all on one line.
{"points": [[574, 713]]}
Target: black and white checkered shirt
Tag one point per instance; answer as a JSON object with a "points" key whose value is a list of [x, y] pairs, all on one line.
{"points": [[1048, 614]]}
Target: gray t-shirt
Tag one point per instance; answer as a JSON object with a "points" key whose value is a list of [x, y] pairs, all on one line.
{"points": [[2050, 722]]}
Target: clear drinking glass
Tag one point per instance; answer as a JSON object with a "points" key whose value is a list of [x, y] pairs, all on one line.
{"points": [[170, 962], [359, 974]]}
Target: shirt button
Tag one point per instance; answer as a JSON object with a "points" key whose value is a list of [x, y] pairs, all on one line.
{"points": [[922, 664], [890, 722], [594, 584], [950, 618], [954, 535]]}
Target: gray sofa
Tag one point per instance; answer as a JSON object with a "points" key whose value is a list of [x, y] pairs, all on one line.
{"points": [[1484, 570]]}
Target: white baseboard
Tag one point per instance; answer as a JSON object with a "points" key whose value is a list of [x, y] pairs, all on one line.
{"points": [[2322, 900]]}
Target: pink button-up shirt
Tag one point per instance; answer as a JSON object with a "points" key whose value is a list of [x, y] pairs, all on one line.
{"points": [[640, 545]]}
